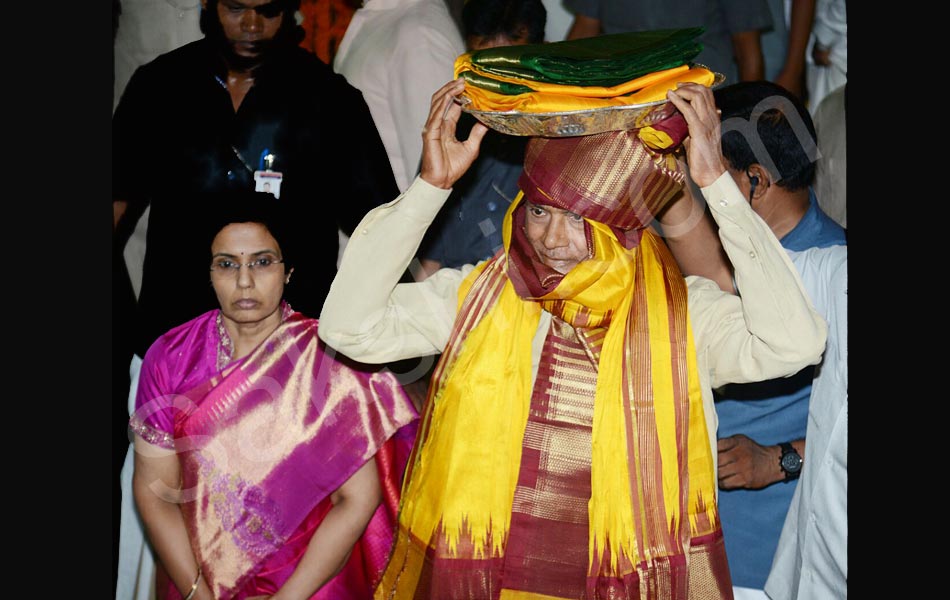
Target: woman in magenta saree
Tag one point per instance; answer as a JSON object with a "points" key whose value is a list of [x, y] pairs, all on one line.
{"points": [[266, 466]]}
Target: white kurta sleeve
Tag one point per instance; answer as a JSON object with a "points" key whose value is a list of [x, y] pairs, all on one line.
{"points": [[368, 315]]}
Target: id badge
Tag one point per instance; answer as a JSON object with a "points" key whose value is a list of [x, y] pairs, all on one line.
{"points": [[268, 181]]}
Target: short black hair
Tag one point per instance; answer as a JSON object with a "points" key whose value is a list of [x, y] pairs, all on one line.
{"points": [[783, 127], [246, 206], [510, 18], [290, 33]]}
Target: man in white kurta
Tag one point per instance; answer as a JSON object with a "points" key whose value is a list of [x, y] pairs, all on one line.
{"points": [[811, 560], [398, 53]]}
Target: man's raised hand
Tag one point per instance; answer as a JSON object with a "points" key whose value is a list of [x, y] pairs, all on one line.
{"points": [[444, 157], [704, 144]]}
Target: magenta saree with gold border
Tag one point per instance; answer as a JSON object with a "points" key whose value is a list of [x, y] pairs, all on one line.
{"points": [[264, 441]]}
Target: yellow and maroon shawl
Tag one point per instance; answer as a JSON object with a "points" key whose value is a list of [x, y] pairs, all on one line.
{"points": [[481, 482]]}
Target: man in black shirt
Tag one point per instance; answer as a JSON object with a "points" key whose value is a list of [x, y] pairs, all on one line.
{"points": [[204, 118]]}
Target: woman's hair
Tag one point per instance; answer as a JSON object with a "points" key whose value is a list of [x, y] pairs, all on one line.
{"points": [[244, 206]]}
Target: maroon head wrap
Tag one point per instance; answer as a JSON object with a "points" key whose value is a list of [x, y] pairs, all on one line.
{"points": [[614, 177]]}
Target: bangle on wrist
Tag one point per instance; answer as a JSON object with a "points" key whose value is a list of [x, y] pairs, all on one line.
{"points": [[194, 586]]}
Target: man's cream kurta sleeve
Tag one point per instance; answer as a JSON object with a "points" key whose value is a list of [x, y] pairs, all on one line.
{"points": [[371, 317], [771, 329]]}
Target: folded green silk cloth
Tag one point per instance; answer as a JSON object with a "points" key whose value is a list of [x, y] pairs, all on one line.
{"points": [[605, 60]]}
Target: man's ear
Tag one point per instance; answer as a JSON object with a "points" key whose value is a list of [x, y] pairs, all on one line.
{"points": [[759, 181]]}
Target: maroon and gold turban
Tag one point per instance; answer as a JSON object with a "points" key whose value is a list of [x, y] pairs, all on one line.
{"points": [[619, 178]]}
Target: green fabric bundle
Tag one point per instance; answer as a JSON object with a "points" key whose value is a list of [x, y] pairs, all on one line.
{"points": [[605, 60]]}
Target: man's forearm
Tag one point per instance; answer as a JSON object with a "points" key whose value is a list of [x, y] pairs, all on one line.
{"points": [[583, 27], [690, 234], [747, 47]]}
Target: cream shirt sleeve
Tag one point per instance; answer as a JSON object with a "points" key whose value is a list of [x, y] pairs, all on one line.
{"points": [[368, 315], [771, 328]]}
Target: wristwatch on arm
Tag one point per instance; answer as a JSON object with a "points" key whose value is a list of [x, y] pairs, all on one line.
{"points": [[791, 461]]}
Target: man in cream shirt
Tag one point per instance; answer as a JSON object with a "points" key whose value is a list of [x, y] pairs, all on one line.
{"points": [[771, 331]]}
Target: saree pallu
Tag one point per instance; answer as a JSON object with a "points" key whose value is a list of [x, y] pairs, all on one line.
{"points": [[262, 446]]}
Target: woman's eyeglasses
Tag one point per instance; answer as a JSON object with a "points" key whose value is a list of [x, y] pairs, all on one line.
{"points": [[225, 267]]}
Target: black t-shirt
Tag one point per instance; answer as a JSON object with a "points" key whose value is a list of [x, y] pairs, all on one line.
{"points": [[176, 139]]}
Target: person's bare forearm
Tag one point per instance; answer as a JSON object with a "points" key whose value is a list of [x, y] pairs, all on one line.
{"points": [[583, 27], [747, 48], [156, 500], [799, 29]]}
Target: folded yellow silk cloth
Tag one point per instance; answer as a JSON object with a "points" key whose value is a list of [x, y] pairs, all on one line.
{"points": [[550, 97]]}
